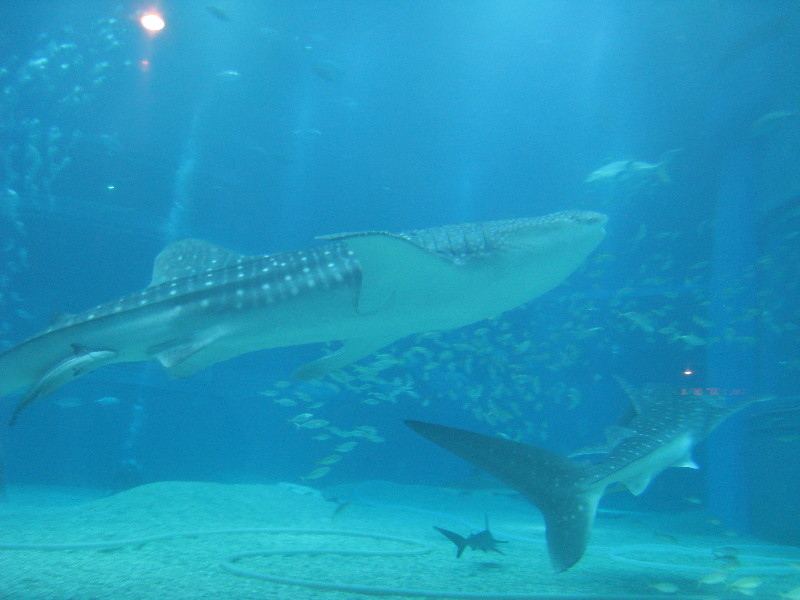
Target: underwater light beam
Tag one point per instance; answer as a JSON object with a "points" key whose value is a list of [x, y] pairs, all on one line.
{"points": [[152, 22]]}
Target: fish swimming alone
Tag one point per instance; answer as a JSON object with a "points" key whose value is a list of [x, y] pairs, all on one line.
{"points": [[206, 304], [634, 174], [662, 433], [483, 540]]}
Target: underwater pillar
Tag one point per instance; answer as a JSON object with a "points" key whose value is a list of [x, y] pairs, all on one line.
{"points": [[732, 358], [3, 496]]}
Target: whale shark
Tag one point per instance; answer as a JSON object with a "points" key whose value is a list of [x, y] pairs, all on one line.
{"points": [[661, 434], [207, 304]]}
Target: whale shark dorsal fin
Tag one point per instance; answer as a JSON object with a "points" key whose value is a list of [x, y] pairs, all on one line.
{"points": [[61, 319], [633, 394], [389, 263], [190, 257]]}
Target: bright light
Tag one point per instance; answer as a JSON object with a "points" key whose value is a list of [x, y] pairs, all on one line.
{"points": [[152, 22], [688, 371]]}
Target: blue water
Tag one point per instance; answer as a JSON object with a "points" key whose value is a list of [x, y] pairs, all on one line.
{"points": [[258, 126]]}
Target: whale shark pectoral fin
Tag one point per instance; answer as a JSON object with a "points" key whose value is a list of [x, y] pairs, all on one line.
{"points": [[639, 484], [174, 352], [686, 462], [351, 351], [185, 356], [390, 263]]}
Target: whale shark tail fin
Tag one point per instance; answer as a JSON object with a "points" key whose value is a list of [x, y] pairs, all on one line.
{"points": [[550, 482]]}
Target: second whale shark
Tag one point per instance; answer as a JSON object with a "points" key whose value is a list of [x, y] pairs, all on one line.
{"points": [[206, 304], [661, 434]]}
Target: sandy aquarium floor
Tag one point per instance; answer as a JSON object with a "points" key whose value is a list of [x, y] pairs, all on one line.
{"points": [[73, 544]]}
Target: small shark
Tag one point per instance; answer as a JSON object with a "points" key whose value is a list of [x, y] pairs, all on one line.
{"points": [[483, 540], [206, 304], [661, 435]]}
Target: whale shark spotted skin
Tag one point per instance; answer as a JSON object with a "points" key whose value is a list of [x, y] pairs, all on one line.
{"points": [[662, 433], [206, 304]]}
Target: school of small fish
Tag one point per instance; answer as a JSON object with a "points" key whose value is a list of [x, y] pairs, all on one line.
{"points": [[510, 372]]}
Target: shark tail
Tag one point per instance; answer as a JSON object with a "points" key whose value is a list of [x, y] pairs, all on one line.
{"points": [[550, 482], [22, 405], [458, 540]]}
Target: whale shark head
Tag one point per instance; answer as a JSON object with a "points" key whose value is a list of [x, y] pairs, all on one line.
{"points": [[565, 232]]}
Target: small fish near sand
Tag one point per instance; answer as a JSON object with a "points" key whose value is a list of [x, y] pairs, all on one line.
{"points": [[713, 578], [483, 540], [316, 473], [746, 585], [665, 587]]}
